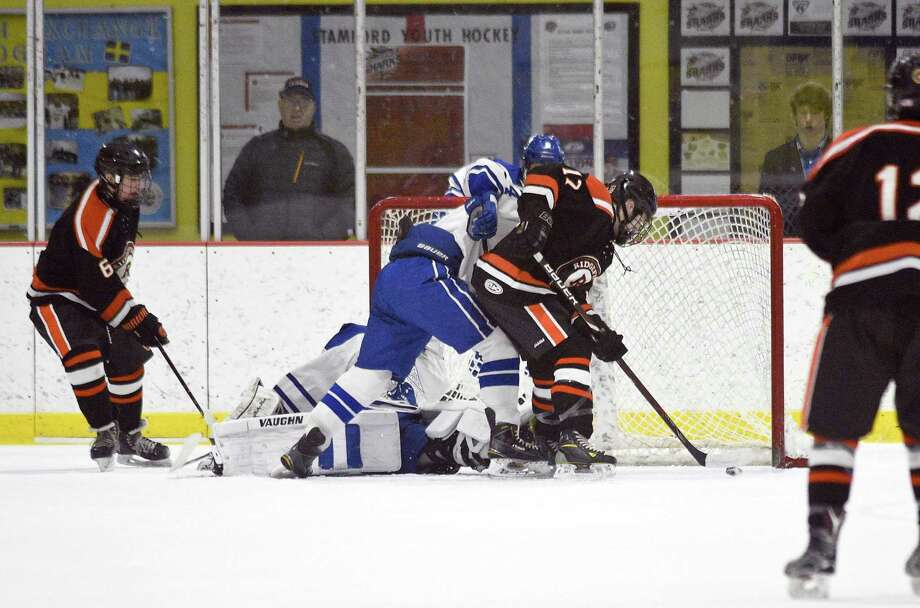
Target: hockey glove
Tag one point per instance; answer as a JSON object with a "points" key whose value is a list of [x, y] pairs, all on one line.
{"points": [[531, 234], [145, 327], [482, 216], [606, 344]]}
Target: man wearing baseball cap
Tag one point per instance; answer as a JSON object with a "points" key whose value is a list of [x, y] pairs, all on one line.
{"points": [[293, 183]]}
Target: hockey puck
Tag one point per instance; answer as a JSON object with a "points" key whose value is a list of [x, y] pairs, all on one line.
{"points": [[732, 471]]}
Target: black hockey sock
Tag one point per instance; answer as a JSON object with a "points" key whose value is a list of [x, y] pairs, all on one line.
{"points": [[571, 393], [547, 423], [830, 472], [913, 458], [86, 375], [127, 396]]}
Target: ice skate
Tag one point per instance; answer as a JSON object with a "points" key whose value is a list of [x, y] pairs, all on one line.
{"points": [[299, 459], [574, 454], [912, 568], [133, 448], [512, 454], [103, 449], [809, 575]]}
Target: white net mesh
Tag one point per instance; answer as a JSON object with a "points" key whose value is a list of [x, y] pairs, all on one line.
{"points": [[695, 309]]}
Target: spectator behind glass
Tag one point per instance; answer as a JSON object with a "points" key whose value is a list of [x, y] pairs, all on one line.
{"points": [[292, 183], [785, 167]]}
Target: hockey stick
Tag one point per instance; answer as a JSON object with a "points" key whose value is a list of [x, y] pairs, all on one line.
{"points": [[560, 288], [206, 414]]}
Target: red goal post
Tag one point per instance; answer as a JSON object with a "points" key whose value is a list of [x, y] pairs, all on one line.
{"points": [[701, 309]]}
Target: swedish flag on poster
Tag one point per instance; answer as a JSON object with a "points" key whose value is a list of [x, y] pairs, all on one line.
{"points": [[107, 77]]}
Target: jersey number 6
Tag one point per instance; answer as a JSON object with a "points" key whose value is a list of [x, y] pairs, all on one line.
{"points": [[106, 268]]}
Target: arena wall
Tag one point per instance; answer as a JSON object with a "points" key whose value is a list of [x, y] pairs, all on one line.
{"points": [[234, 312]]}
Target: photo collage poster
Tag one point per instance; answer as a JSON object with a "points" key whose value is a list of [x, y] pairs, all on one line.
{"points": [[107, 78], [13, 131]]}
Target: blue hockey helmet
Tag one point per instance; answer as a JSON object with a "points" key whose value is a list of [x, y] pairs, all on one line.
{"points": [[542, 149]]}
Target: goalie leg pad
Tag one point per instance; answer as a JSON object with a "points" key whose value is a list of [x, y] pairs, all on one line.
{"points": [[368, 444]]}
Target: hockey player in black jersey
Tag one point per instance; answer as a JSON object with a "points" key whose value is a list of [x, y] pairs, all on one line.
{"points": [[575, 221], [861, 214], [82, 309]]}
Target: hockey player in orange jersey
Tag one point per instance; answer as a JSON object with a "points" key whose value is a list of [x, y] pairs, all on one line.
{"points": [[861, 214], [82, 309]]}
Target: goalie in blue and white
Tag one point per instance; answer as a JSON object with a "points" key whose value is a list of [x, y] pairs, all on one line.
{"points": [[422, 294], [411, 429]]}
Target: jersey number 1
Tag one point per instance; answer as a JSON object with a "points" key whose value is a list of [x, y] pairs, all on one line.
{"points": [[887, 179]]}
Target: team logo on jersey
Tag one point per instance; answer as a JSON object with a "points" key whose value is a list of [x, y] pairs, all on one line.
{"points": [[705, 16], [705, 66], [493, 287], [122, 263], [866, 16], [915, 76], [758, 16], [800, 6], [910, 18]]}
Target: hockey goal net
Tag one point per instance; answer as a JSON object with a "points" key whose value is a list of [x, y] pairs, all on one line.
{"points": [[700, 306]]}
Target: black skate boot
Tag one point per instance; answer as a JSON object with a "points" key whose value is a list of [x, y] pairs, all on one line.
{"points": [[512, 454], [134, 448], [809, 574], [300, 457], [103, 448], [575, 454], [912, 568]]}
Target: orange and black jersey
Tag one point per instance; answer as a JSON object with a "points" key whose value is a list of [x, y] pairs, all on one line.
{"points": [[582, 214], [861, 213], [88, 258]]}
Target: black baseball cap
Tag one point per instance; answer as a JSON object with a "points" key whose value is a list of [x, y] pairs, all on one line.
{"points": [[297, 86]]}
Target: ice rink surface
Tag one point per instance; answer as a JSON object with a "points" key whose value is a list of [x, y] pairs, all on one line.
{"points": [[663, 536]]}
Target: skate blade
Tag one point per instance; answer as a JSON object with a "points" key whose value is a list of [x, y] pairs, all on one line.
{"points": [[280, 472], [509, 467], [815, 587], [136, 461], [105, 464], [585, 471], [915, 585]]}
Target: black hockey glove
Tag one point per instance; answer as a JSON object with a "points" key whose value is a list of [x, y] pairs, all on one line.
{"points": [[145, 326], [606, 344], [531, 234]]}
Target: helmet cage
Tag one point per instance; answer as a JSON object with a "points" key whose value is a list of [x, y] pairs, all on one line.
{"points": [[117, 161], [632, 226]]}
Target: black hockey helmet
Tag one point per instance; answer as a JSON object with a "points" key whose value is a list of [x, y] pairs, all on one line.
{"points": [[542, 149], [903, 88], [117, 160], [632, 225]]}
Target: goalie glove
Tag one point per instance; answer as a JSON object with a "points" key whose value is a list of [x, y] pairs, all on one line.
{"points": [[531, 234], [145, 326], [482, 216], [606, 344]]}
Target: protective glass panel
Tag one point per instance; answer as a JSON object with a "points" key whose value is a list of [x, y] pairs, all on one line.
{"points": [[13, 130], [751, 92], [110, 75], [287, 122]]}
